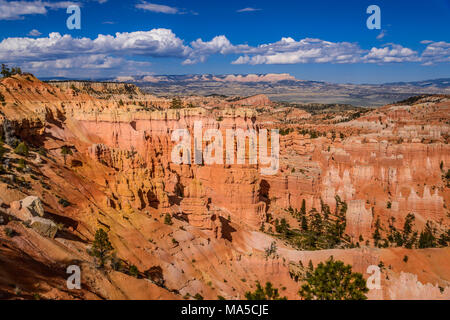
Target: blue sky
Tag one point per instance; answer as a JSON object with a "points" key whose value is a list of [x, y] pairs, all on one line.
{"points": [[311, 40]]}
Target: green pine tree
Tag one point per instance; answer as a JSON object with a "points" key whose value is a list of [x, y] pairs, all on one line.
{"points": [[22, 149], [377, 233], [303, 208], [427, 237], [101, 246], [334, 280], [65, 151], [266, 293], [168, 219], [304, 224]]}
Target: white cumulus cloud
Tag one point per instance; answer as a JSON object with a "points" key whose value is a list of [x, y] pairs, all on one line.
{"points": [[203, 49], [14, 10], [87, 65], [308, 50], [153, 43], [34, 33], [436, 52], [122, 50], [391, 53]]}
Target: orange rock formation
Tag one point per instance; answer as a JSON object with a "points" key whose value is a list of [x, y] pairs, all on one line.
{"points": [[386, 163]]}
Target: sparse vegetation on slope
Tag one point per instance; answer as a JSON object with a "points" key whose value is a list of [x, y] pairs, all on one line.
{"points": [[317, 230], [333, 280], [101, 247], [266, 293]]}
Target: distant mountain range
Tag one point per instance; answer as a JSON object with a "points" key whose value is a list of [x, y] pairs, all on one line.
{"points": [[436, 83], [283, 87]]}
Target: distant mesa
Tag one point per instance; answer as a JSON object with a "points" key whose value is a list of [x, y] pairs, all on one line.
{"points": [[270, 77], [281, 87]]}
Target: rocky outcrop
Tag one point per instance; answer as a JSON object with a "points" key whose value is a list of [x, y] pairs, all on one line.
{"points": [[407, 287], [92, 87], [27, 208], [44, 227], [127, 183], [259, 100], [9, 133], [359, 220], [199, 211], [195, 205]]}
